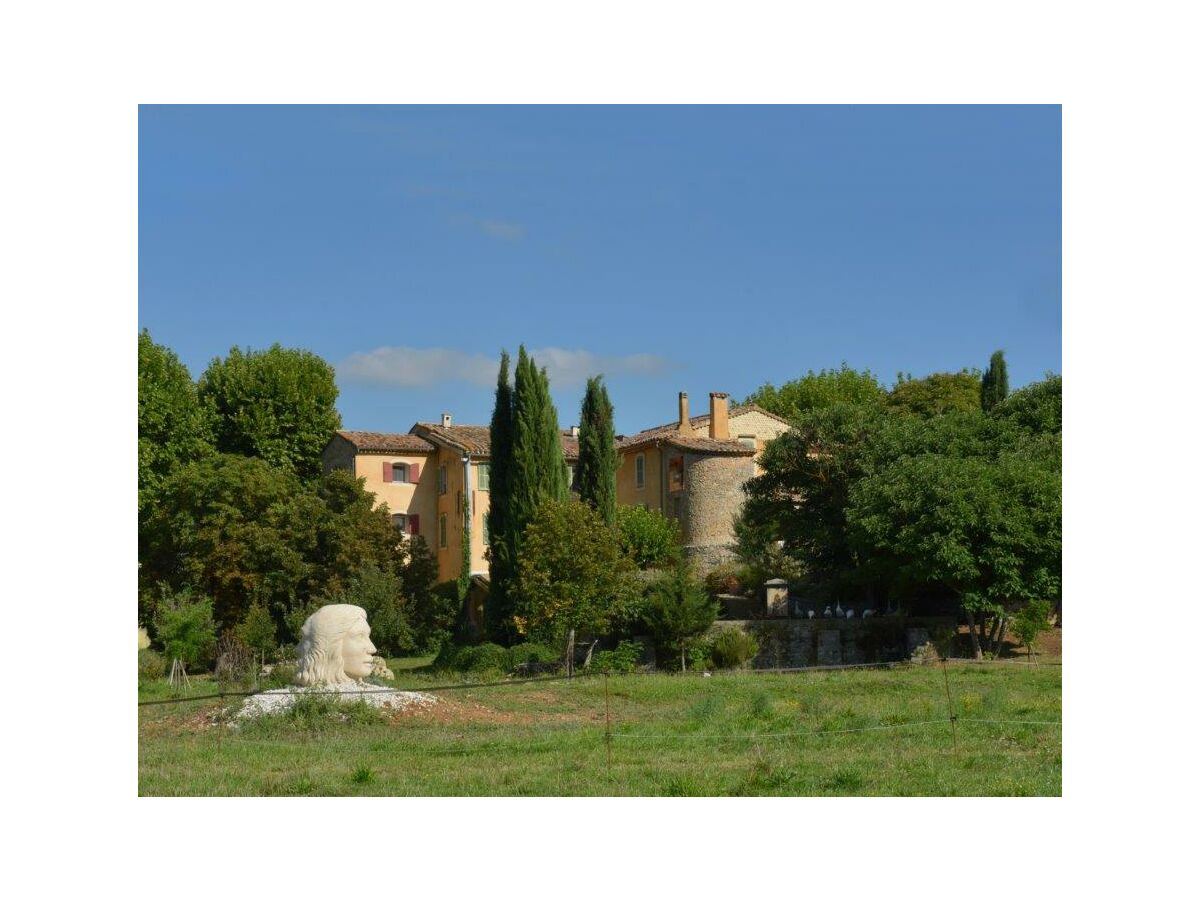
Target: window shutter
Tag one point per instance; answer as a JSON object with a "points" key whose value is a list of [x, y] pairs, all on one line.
{"points": [[414, 524], [414, 472], [387, 471]]}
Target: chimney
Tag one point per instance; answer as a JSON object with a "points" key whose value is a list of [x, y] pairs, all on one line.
{"points": [[574, 431], [445, 420], [685, 422], [718, 416]]}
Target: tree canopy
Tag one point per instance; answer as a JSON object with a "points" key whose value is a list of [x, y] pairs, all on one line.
{"points": [[819, 390], [573, 574], [845, 491], [239, 531], [173, 427], [936, 394], [276, 404], [1036, 407]]}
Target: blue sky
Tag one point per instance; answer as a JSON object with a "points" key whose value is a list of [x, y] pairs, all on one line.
{"points": [[671, 248]]}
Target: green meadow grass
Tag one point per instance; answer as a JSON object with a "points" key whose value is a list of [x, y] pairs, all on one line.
{"points": [[740, 734]]}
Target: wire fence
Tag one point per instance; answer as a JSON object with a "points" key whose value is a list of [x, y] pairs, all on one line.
{"points": [[621, 734], [580, 675]]}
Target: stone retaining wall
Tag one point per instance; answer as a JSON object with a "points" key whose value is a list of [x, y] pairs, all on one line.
{"points": [[795, 643]]}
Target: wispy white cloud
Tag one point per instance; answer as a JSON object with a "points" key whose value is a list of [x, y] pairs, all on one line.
{"points": [[505, 231], [414, 367]]}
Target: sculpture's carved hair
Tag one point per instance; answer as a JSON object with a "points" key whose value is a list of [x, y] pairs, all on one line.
{"points": [[320, 649]]}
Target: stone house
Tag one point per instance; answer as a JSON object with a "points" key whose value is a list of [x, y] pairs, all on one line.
{"points": [[692, 470]]}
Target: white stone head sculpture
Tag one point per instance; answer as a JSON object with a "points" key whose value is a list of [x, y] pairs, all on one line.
{"points": [[335, 646]]}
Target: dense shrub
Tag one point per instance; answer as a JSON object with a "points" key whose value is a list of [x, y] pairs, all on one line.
{"points": [[151, 665], [479, 658], [647, 537], [235, 661], [733, 648], [536, 656], [380, 594], [624, 659], [257, 631], [724, 579], [186, 629], [678, 609], [433, 609], [699, 654]]}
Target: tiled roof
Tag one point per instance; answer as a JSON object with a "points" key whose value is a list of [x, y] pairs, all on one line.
{"points": [[683, 442], [701, 422], [476, 440], [378, 442]]}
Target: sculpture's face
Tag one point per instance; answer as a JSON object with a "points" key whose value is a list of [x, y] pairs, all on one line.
{"points": [[358, 651]]}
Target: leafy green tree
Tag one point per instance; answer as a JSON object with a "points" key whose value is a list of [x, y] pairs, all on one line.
{"points": [[596, 474], [679, 609], [647, 537], [502, 574], [573, 574], [801, 495], [257, 630], [380, 592], [994, 386], [1036, 407], [276, 404], [989, 531], [240, 531], [186, 629], [936, 394], [818, 390], [432, 613], [1030, 621], [173, 427]]}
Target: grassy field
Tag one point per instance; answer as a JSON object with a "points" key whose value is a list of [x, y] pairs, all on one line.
{"points": [[812, 733]]}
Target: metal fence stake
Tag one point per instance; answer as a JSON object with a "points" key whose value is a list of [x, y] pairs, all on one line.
{"points": [[950, 708]]}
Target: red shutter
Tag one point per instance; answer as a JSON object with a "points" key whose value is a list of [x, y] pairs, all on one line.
{"points": [[414, 472], [387, 471], [414, 524]]}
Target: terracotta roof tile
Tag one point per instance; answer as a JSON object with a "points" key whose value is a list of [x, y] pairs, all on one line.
{"points": [[379, 442], [476, 440], [701, 422], [692, 444]]}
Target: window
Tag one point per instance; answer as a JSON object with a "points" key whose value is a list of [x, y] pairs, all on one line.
{"points": [[748, 440], [400, 472], [571, 472], [400, 521], [675, 474], [484, 477], [442, 530], [639, 470], [443, 481]]}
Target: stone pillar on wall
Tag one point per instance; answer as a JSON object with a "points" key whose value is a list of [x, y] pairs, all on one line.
{"points": [[777, 598]]}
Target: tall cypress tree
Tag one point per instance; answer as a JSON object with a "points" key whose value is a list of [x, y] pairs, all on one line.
{"points": [[501, 562], [596, 476], [532, 470], [994, 386]]}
